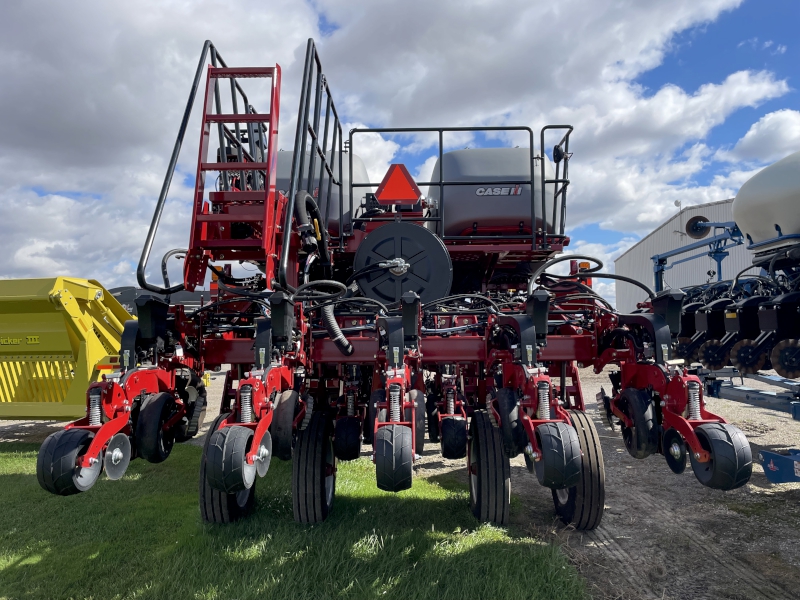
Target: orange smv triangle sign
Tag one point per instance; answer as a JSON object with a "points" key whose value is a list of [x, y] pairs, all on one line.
{"points": [[398, 187]]}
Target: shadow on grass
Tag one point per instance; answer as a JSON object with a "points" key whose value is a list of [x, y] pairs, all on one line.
{"points": [[142, 537]]}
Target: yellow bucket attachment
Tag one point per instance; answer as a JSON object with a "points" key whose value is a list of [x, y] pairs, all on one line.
{"points": [[57, 335]]}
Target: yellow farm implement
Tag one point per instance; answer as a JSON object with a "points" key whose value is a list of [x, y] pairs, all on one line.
{"points": [[57, 335]]}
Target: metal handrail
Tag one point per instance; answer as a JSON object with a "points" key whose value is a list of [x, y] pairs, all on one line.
{"points": [[308, 122], [441, 183]]}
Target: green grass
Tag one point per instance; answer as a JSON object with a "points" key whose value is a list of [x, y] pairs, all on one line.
{"points": [[142, 537]]}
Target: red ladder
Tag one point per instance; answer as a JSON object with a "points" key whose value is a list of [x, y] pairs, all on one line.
{"points": [[238, 222]]}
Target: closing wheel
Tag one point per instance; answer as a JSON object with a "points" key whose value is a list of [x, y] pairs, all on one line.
{"points": [[713, 356], [559, 465], [419, 418], [314, 471], [731, 462], [194, 395], [674, 451], [117, 456], [347, 438], [513, 433], [682, 347], [393, 459], [226, 460], [56, 464], [489, 472], [746, 357], [216, 506], [372, 414], [282, 426], [152, 442], [454, 437], [785, 357], [582, 505], [641, 440], [432, 408]]}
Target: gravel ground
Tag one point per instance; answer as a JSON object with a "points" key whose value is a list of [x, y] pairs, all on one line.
{"points": [[662, 535]]}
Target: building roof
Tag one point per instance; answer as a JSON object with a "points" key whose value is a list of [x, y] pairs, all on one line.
{"points": [[668, 221]]}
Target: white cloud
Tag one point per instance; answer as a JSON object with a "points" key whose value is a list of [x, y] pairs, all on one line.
{"points": [[93, 94], [772, 137]]}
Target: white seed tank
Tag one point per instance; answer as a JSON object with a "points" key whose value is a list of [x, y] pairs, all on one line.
{"points": [[770, 198]]}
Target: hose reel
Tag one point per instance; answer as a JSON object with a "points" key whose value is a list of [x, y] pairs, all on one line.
{"points": [[400, 257]]}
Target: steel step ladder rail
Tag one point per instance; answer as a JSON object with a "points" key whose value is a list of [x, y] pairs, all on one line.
{"points": [[230, 224]]}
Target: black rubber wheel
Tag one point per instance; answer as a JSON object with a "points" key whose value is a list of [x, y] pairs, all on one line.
{"points": [[393, 458], [226, 466], [731, 462], [432, 409], [216, 506], [489, 472], [372, 414], [641, 440], [347, 438], [514, 437], [559, 466], [314, 471], [419, 414], [152, 442], [582, 505], [56, 467], [454, 437], [282, 426]]}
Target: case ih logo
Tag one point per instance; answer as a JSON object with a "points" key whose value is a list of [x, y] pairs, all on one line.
{"points": [[499, 191]]}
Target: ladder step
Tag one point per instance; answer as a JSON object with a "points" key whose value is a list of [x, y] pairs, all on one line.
{"points": [[230, 197], [240, 118], [234, 166], [227, 218], [243, 72], [229, 244]]}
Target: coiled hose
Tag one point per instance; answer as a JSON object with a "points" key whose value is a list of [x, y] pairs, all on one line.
{"points": [[335, 332]]}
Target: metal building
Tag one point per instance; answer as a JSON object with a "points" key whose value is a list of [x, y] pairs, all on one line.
{"points": [[636, 262]]}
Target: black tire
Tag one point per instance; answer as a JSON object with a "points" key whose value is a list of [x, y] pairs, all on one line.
{"points": [[731, 461], [641, 440], [372, 414], [314, 471], [195, 410], [152, 442], [393, 458], [432, 410], [513, 433], [582, 505], [419, 415], [559, 466], [216, 506], [454, 437], [282, 426], [489, 472], [56, 467], [226, 466], [347, 438]]}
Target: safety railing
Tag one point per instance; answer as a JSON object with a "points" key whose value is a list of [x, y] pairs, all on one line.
{"points": [[539, 235], [315, 100], [231, 142]]}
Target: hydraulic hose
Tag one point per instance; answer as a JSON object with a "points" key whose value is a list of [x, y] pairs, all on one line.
{"points": [[312, 229], [335, 332]]}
